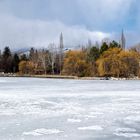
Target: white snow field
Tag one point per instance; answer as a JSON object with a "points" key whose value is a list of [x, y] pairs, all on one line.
{"points": [[50, 109]]}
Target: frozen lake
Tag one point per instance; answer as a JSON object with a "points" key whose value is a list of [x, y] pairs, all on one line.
{"points": [[49, 109]]}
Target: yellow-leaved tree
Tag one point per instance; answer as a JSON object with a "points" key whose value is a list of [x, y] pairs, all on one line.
{"points": [[26, 67], [118, 63], [75, 64]]}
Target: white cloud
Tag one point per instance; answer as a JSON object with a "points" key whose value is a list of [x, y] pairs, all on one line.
{"points": [[92, 13], [105, 13], [37, 23], [17, 32]]}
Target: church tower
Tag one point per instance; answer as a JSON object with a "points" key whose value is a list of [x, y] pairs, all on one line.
{"points": [[123, 41], [61, 47], [61, 42]]}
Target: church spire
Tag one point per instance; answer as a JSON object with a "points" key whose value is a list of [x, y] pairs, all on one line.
{"points": [[61, 47], [123, 41], [61, 41]]}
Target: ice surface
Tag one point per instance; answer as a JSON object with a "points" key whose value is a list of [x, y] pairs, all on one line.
{"points": [[42, 131], [127, 132], [50, 109], [74, 120], [91, 128]]}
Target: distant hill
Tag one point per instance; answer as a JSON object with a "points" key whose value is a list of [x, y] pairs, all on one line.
{"points": [[27, 50], [22, 51]]}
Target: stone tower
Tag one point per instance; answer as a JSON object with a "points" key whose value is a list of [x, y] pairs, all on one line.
{"points": [[61, 47], [61, 41], [123, 41]]}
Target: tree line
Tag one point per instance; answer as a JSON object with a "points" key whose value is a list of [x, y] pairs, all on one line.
{"points": [[106, 60], [110, 60]]}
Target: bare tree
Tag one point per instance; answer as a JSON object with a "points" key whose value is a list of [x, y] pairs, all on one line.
{"points": [[89, 45], [52, 55], [43, 57]]}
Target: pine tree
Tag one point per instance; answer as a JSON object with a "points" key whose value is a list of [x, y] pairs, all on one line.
{"points": [[7, 60]]}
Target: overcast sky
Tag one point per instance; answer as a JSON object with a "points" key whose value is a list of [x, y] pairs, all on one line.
{"points": [[25, 23]]}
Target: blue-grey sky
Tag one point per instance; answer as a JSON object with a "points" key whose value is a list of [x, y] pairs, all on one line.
{"points": [[37, 23]]}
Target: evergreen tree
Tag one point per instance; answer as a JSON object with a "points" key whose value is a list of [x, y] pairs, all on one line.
{"points": [[104, 47], [114, 44], [6, 52], [32, 54], [93, 54], [7, 60], [23, 57], [15, 63]]}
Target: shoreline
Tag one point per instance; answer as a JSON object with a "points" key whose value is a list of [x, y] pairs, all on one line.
{"points": [[67, 77]]}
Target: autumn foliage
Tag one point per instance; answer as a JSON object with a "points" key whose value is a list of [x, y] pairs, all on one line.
{"points": [[118, 63], [75, 64], [108, 61]]}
